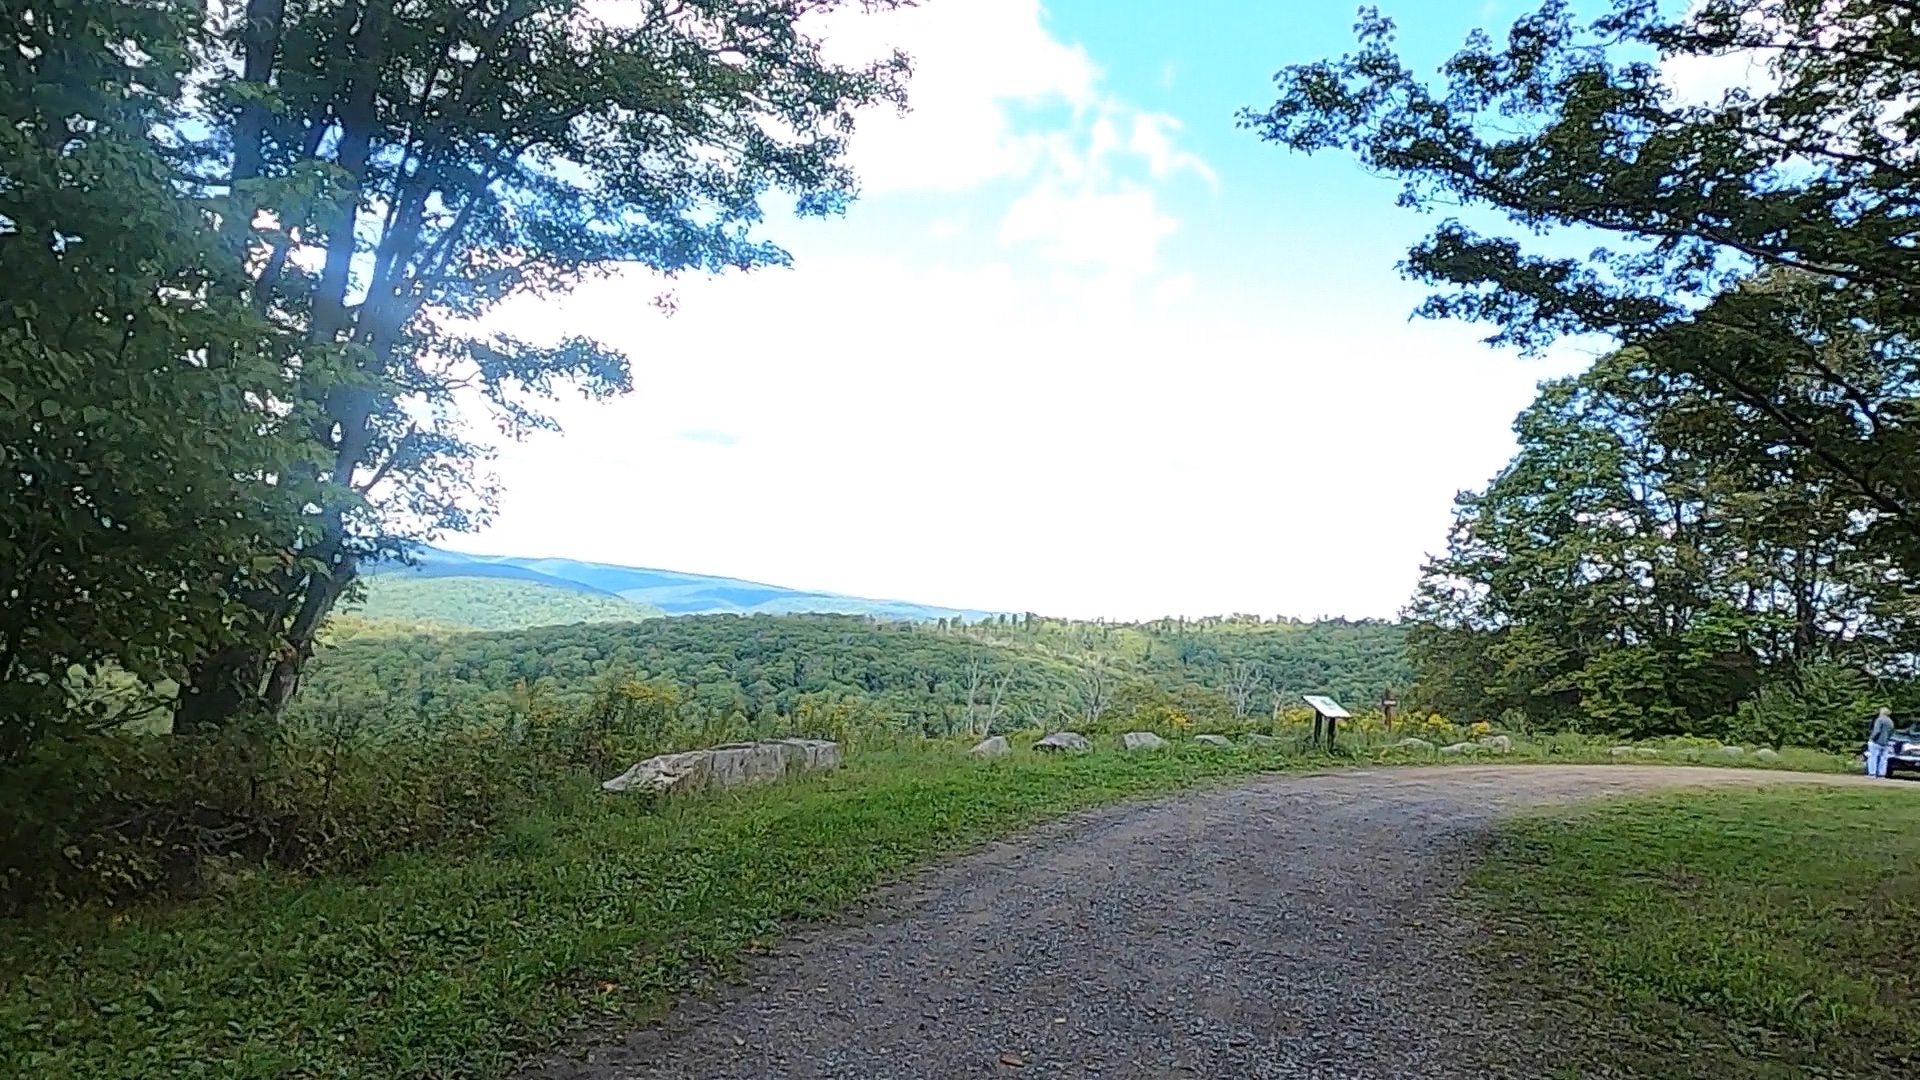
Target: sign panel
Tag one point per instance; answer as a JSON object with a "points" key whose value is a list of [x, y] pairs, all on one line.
{"points": [[1327, 707]]}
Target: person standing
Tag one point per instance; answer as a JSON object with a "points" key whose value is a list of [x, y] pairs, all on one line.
{"points": [[1879, 743]]}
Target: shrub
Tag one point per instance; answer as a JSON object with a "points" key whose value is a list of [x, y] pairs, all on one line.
{"points": [[1822, 705], [117, 818]]}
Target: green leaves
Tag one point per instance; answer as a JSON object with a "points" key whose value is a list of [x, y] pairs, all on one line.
{"points": [[1641, 568], [136, 388], [1718, 211], [444, 156]]}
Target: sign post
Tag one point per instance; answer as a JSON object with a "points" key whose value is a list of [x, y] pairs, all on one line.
{"points": [[1326, 711]]}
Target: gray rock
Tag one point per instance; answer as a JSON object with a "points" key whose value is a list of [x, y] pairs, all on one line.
{"points": [[1459, 748], [1624, 751], [1063, 742], [1732, 751], [1219, 741], [1766, 754], [1254, 738], [1413, 744], [1142, 740], [1499, 744], [690, 771], [735, 765], [1647, 751], [998, 746]]}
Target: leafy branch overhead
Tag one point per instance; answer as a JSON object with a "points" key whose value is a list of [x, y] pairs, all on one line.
{"points": [[393, 171], [1745, 228]]}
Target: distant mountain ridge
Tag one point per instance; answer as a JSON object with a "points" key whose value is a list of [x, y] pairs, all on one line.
{"points": [[669, 591]]}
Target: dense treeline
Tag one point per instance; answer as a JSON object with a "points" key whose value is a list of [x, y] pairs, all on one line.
{"points": [[737, 675], [1620, 577], [1717, 530]]}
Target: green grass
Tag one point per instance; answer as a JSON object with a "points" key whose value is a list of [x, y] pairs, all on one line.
{"points": [[593, 910], [1770, 933]]}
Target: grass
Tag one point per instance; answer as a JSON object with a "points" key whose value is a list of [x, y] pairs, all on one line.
{"points": [[592, 910], [1760, 934]]}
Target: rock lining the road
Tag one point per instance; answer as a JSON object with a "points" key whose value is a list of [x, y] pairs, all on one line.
{"points": [[1294, 927]]}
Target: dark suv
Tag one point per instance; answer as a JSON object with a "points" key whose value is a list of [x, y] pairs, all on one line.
{"points": [[1904, 754]]}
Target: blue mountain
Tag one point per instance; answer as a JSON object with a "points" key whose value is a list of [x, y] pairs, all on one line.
{"points": [[671, 591]]}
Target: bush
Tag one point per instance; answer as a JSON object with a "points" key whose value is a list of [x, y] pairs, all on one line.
{"points": [[118, 818], [1824, 706]]}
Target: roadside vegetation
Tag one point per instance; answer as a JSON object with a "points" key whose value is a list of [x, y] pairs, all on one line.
{"points": [[1763, 934], [576, 909]]}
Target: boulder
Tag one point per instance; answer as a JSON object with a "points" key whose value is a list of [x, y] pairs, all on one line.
{"points": [[816, 754], [1646, 751], [998, 746], [1499, 744], [674, 773], [1732, 751], [1063, 742], [1142, 740], [1766, 754], [1413, 744], [1624, 751], [1217, 741], [1459, 748], [731, 766], [1254, 738]]}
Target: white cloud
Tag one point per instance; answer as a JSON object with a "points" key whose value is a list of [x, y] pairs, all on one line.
{"points": [[996, 393], [996, 98], [960, 437], [973, 62], [1118, 230], [1707, 80]]}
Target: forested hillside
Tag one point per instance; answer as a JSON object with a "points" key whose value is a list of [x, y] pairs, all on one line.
{"points": [[730, 675], [475, 603]]}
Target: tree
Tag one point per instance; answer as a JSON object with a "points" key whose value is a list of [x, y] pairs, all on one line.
{"points": [[1245, 680], [986, 691], [137, 442], [1805, 184], [394, 169], [1635, 570], [1093, 687]]}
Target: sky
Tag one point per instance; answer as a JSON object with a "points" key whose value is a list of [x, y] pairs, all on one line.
{"points": [[1081, 348]]}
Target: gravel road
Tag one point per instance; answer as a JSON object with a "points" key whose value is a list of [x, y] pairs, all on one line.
{"points": [[1296, 927]]}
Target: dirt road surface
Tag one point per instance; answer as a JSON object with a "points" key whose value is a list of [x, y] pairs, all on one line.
{"points": [[1296, 927]]}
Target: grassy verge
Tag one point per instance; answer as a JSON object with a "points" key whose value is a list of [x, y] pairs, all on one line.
{"points": [[441, 964], [1759, 934]]}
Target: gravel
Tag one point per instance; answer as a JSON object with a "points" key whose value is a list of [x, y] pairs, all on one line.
{"points": [[1298, 927]]}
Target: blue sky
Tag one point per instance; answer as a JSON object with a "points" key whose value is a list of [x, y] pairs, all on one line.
{"points": [[1083, 347]]}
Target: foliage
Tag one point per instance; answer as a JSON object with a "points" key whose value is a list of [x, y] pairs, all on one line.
{"points": [[116, 818], [749, 676], [1819, 704], [1755, 934], [134, 437], [396, 171], [1625, 575], [1765, 238], [478, 603]]}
